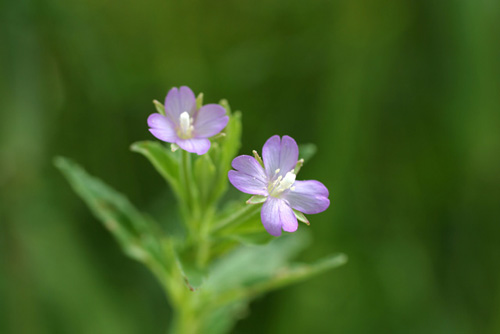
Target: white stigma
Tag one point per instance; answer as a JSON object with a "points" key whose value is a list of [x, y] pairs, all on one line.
{"points": [[185, 126], [281, 184]]}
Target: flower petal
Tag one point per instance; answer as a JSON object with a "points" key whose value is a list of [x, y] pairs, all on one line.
{"points": [[194, 145], [178, 101], [248, 165], [162, 128], [210, 120], [280, 154], [308, 197], [289, 154], [249, 176], [276, 214], [247, 183]]}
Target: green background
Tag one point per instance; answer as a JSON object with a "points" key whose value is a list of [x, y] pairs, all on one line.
{"points": [[401, 97]]}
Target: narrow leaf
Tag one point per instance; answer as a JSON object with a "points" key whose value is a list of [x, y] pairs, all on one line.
{"points": [[163, 160], [283, 277], [136, 233]]}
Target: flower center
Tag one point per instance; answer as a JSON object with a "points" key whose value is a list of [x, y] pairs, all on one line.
{"points": [[185, 126], [278, 186]]}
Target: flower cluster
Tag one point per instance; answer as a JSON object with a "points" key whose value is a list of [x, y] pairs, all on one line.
{"points": [[272, 178]]}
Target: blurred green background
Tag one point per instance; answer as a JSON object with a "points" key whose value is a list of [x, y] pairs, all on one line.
{"points": [[401, 97]]}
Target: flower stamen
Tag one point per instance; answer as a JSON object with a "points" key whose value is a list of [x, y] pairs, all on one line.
{"points": [[281, 184], [185, 126]]}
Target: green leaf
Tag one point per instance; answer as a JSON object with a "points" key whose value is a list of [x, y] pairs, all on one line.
{"points": [[251, 232], [285, 276], [250, 264], [163, 160], [307, 151], [255, 238], [137, 234], [229, 146], [204, 174]]}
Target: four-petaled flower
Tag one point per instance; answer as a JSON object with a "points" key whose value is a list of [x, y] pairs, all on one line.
{"points": [[276, 182], [184, 124]]}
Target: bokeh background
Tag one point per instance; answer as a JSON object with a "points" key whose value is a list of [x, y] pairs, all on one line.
{"points": [[401, 97]]}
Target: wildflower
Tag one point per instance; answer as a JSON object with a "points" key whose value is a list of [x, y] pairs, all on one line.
{"points": [[184, 124], [273, 181]]}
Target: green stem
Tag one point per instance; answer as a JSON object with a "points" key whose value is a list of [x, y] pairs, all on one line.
{"points": [[191, 198], [203, 253], [247, 211], [186, 175]]}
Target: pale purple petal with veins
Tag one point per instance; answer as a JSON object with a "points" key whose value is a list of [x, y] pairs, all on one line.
{"points": [[308, 197], [248, 165], [277, 215], [210, 120], [289, 154], [271, 155], [162, 128], [249, 176], [179, 100], [280, 154], [249, 184], [194, 145]]}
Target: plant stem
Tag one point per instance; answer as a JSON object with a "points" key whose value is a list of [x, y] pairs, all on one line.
{"points": [[191, 198]]}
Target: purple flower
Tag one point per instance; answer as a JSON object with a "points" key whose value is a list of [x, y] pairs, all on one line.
{"points": [[184, 124], [275, 181]]}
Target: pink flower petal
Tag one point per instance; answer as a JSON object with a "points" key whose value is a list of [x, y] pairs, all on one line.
{"points": [[308, 197], [178, 101], [280, 154], [162, 128], [194, 145], [210, 120], [277, 215]]}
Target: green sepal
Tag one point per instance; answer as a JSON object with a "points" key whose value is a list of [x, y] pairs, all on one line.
{"points": [[256, 199], [298, 166], [301, 217], [258, 158], [199, 101], [159, 107], [226, 106]]}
